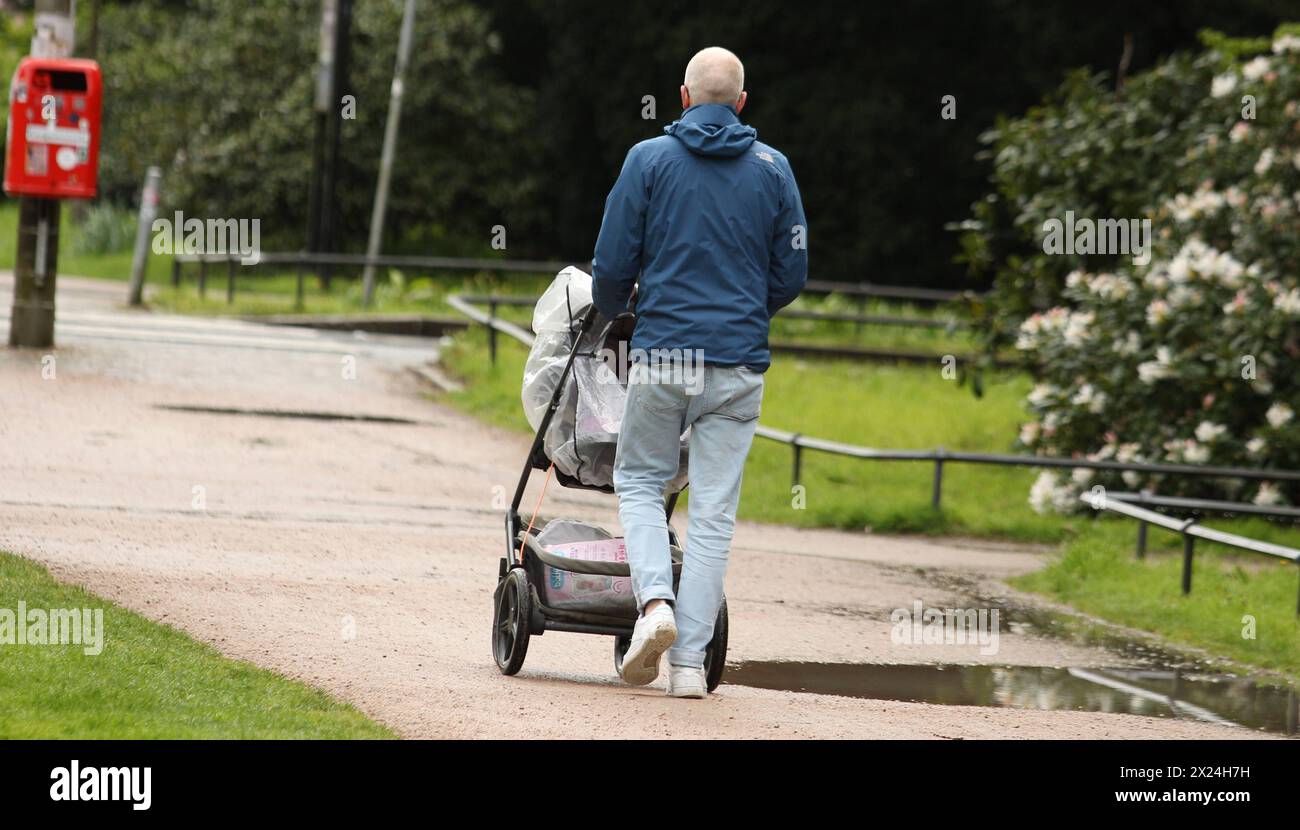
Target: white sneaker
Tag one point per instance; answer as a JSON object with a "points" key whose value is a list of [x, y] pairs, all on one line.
{"points": [[653, 634], [686, 681]]}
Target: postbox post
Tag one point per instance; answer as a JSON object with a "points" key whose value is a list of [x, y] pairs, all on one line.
{"points": [[52, 154]]}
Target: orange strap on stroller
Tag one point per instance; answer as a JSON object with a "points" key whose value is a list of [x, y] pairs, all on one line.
{"points": [[536, 508]]}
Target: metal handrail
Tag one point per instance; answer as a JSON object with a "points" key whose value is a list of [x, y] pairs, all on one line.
{"points": [[1146, 497], [386, 261], [790, 313], [852, 289], [1190, 531]]}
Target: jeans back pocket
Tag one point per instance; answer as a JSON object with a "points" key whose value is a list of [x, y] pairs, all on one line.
{"points": [[743, 395]]}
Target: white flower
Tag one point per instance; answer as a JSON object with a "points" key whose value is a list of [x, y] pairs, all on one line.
{"points": [[1288, 302], [1239, 132], [1129, 345], [1106, 451], [1224, 266], [1267, 495], [1131, 478], [1265, 161], [1223, 84], [1279, 414], [1179, 269], [1081, 476], [1256, 69], [1150, 372], [1042, 394], [1201, 203], [1089, 397], [1196, 453], [1157, 312], [1154, 370], [1237, 305], [1029, 433], [1286, 43], [1110, 287], [1042, 494], [1078, 328], [1048, 493], [1127, 453], [1256, 446], [1207, 431], [1181, 296]]}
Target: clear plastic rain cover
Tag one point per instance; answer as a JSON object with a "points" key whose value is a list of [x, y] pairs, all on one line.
{"points": [[583, 435]]}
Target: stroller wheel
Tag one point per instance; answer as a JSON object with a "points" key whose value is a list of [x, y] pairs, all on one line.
{"points": [[621, 645], [715, 655], [510, 621]]}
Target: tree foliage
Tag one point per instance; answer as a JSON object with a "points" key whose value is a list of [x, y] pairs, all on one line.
{"points": [[519, 112], [219, 93]]}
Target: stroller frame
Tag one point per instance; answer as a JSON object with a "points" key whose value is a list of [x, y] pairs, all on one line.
{"points": [[518, 610]]}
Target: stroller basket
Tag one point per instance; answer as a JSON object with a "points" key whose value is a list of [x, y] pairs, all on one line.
{"points": [[590, 566]]}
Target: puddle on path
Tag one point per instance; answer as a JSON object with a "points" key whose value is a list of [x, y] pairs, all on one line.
{"points": [[1138, 691], [1163, 682]]}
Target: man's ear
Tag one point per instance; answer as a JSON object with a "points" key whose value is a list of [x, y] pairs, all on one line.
{"points": [[740, 102], [686, 98]]}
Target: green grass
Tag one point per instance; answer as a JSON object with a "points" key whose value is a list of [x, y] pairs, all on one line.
{"points": [[150, 681], [114, 265], [1099, 574]]}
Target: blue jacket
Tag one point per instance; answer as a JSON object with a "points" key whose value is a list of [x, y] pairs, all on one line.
{"points": [[710, 220]]}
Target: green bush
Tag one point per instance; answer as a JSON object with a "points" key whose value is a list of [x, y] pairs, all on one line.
{"points": [[1189, 357], [105, 229]]}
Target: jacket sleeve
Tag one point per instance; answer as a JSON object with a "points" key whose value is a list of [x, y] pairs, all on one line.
{"points": [[617, 262], [788, 262]]}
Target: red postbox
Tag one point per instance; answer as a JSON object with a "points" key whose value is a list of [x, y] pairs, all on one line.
{"points": [[52, 143]]}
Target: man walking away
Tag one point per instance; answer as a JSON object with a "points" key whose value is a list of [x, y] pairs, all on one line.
{"points": [[708, 222]]}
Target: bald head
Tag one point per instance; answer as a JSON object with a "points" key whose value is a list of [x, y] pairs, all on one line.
{"points": [[714, 76]]}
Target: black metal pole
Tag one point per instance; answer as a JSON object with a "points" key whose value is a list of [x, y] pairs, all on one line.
{"points": [[328, 239], [796, 471], [936, 492], [1189, 543]]}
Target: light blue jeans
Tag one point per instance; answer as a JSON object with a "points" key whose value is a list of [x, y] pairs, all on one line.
{"points": [[721, 407]]}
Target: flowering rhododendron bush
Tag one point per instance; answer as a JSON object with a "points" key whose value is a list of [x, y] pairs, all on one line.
{"points": [[1194, 356]]}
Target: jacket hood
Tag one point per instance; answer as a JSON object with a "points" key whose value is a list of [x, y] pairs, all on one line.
{"points": [[712, 130]]}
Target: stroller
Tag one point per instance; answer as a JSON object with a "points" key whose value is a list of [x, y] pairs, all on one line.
{"points": [[564, 574]]}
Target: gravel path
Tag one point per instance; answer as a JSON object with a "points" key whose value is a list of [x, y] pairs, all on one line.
{"points": [[360, 555]]}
